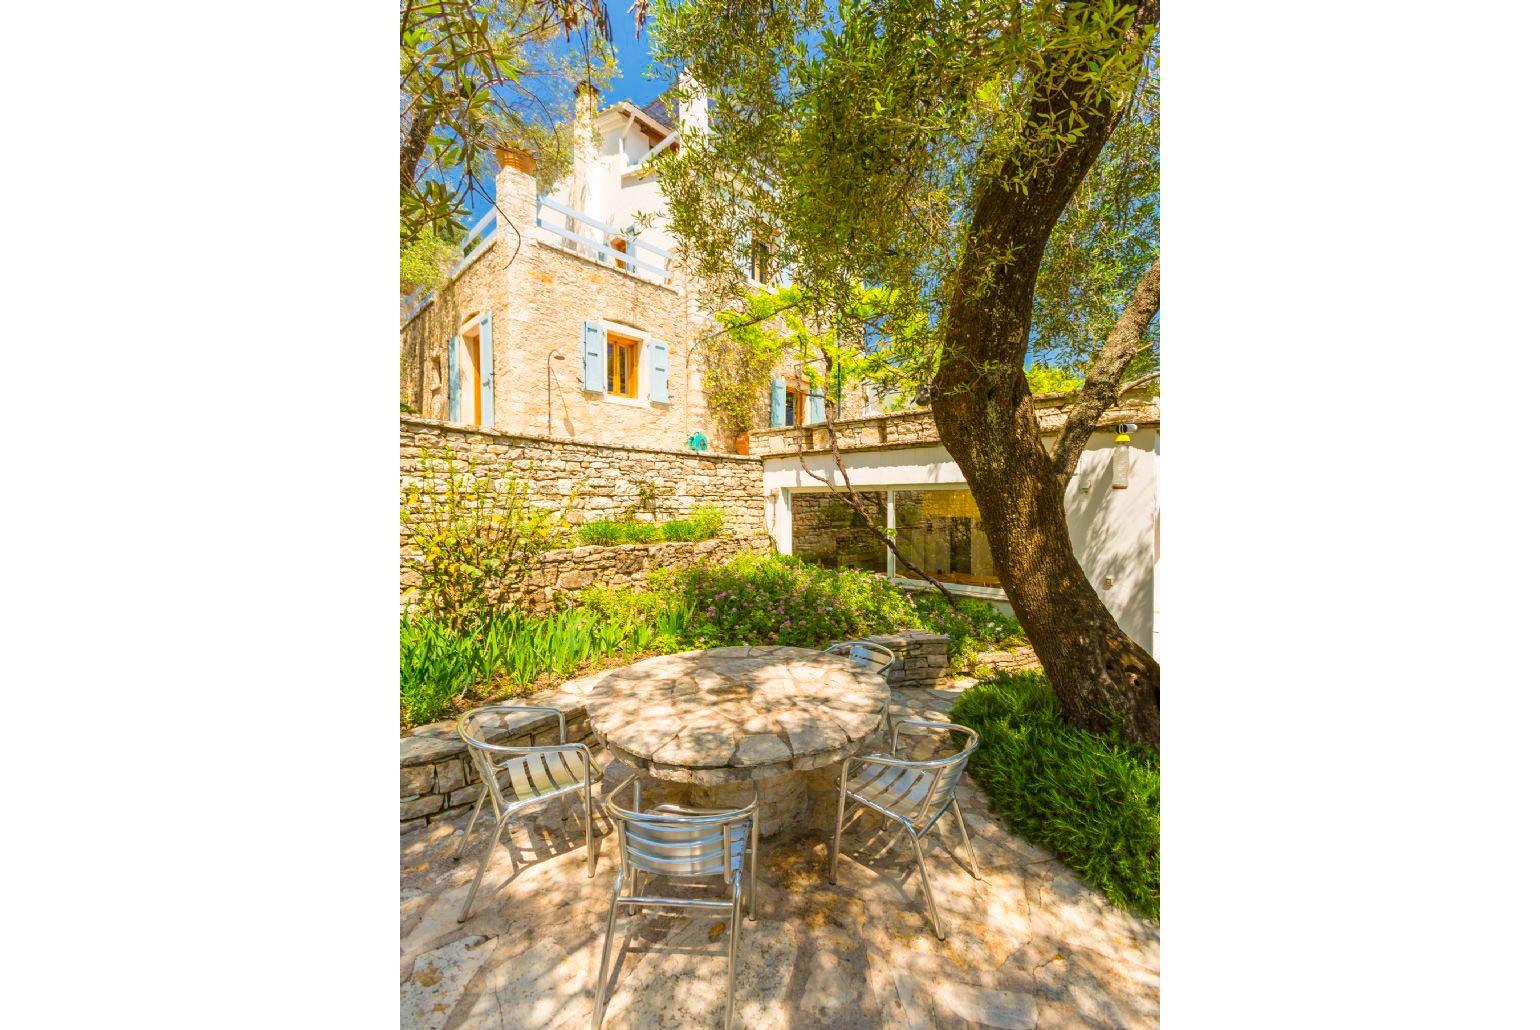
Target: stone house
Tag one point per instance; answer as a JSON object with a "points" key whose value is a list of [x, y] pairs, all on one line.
{"points": [[571, 338], [571, 317]]}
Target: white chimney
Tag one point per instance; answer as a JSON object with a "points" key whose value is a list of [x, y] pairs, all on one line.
{"points": [[692, 104]]}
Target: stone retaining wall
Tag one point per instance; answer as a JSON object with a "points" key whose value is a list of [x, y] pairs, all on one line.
{"points": [[438, 781], [1015, 659], [916, 427], [602, 481]]}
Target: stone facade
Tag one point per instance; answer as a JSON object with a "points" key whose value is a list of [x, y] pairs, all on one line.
{"points": [[916, 427], [597, 482], [439, 782], [539, 295]]}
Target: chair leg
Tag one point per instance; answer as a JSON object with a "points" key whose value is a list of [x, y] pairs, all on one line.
{"points": [[481, 870], [604, 956], [962, 825], [930, 902], [732, 956], [475, 814], [754, 869], [588, 831], [839, 827]]}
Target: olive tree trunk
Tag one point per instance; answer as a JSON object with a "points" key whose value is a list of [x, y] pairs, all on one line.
{"points": [[985, 415]]}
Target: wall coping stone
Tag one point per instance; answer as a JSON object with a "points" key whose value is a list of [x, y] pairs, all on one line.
{"points": [[439, 424]]}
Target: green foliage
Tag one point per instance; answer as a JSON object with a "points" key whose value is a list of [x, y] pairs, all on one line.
{"points": [[478, 74], [870, 130], [639, 533], [973, 625], [471, 543], [779, 599], [703, 524], [427, 260], [1048, 379], [603, 532], [441, 664], [1092, 800]]}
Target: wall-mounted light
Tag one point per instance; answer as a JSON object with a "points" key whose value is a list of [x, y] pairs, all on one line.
{"points": [[1120, 455]]}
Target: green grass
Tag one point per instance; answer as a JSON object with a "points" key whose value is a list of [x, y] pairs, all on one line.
{"points": [[1092, 800]]}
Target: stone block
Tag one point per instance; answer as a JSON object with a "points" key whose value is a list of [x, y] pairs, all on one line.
{"points": [[416, 779], [412, 808], [448, 776], [466, 794]]}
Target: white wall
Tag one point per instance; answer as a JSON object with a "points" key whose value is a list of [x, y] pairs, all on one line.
{"points": [[1114, 531]]}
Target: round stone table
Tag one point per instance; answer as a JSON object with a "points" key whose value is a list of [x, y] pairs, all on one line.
{"points": [[715, 722]]}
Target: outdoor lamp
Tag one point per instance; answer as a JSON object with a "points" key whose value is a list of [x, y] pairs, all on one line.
{"points": [[1120, 455]]}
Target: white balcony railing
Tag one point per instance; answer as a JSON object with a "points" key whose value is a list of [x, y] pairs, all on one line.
{"points": [[647, 260], [486, 229]]}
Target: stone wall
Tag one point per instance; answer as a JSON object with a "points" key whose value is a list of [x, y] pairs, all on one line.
{"points": [[559, 573], [917, 426], [1004, 662], [439, 782], [598, 482]]}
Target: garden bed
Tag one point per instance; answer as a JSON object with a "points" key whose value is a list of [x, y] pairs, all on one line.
{"points": [[1091, 799]]}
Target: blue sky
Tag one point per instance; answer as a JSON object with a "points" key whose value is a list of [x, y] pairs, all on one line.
{"points": [[628, 83]]}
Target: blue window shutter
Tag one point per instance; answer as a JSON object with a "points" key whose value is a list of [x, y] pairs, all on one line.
{"points": [[454, 378], [593, 357], [657, 352], [777, 401], [814, 408], [486, 370]]}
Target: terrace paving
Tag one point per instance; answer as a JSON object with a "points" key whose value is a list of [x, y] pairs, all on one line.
{"points": [[1027, 946]]}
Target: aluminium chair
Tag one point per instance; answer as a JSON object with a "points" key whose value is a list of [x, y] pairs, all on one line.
{"points": [[913, 793], [874, 656], [519, 779], [674, 843]]}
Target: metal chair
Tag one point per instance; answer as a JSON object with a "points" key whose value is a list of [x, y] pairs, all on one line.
{"points": [[535, 775], [682, 844], [872, 655], [913, 793]]}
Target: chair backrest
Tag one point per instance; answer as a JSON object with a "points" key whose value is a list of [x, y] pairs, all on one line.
{"points": [[944, 773], [532, 772], [680, 843], [873, 655]]}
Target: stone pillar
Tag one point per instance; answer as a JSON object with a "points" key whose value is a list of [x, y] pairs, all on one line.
{"points": [[516, 206]]}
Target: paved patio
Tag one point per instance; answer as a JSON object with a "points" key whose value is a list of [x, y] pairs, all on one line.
{"points": [[1029, 945]]}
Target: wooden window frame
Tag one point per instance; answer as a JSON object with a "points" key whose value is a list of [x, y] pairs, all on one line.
{"points": [[627, 345]]}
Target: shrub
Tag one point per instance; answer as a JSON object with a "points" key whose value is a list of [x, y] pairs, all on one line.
{"points": [[442, 665], [779, 599], [603, 532], [680, 529], [472, 543], [1093, 800], [708, 521], [973, 625], [639, 532]]}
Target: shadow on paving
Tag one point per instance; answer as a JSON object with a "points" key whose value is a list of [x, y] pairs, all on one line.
{"points": [[1029, 945]]}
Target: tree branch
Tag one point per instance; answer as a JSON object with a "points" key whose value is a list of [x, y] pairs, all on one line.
{"points": [[1106, 375]]}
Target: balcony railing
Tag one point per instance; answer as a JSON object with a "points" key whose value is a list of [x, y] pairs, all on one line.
{"points": [[486, 229], [555, 217]]}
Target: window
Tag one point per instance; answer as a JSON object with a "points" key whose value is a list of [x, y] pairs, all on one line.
{"points": [[622, 365], [759, 260], [936, 529], [939, 531], [826, 532], [796, 405]]}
